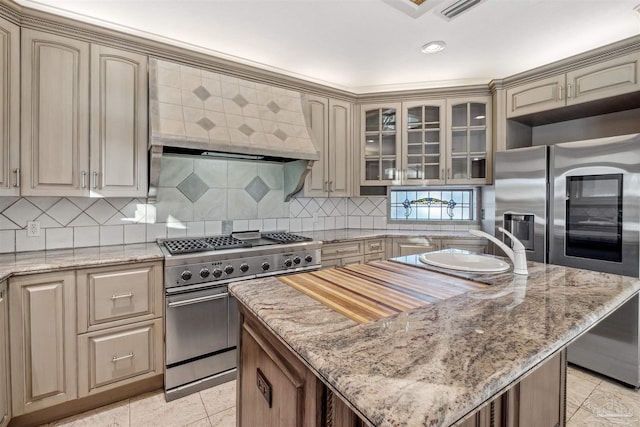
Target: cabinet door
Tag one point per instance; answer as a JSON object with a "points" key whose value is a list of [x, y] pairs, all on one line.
{"points": [[340, 161], [9, 108], [381, 144], [5, 412], [469, 154], [403, 246], [118, 123], [317, 116], [55, 115], [43, 341], [610, 78], [474, 245], [423, 146], [541, 95]]}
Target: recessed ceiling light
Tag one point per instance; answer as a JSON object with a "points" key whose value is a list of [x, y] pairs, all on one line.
{"points": [[433, 47]]}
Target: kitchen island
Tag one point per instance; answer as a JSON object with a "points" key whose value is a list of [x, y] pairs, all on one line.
{"points": [[433, 365]]}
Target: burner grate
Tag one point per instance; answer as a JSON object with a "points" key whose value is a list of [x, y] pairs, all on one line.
{"points": [[187, 246], [286, 237]]}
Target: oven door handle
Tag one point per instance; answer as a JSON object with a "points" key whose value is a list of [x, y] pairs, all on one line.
{"points": [[197, 300]]}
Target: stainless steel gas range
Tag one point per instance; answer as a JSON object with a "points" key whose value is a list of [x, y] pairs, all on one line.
{"points": [[201, 318]]}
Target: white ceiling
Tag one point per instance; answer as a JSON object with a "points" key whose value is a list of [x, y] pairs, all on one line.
{"points": [[370, 45]]}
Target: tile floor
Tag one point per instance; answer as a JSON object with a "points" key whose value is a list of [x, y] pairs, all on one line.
{"points": [[592, 401]]}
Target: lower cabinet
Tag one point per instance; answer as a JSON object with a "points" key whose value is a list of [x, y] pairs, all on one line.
{"points": [[403, 246], [474, 245], [353, 252], [5, 408], [275, 389], [43, 340], [74, 334]]}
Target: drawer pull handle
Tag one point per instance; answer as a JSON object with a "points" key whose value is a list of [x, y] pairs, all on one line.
{"points": [[115, 297], [198, 300], [115, 359]]}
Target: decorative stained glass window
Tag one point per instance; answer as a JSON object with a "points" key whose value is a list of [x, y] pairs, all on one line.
{"points": [[416, 205]]}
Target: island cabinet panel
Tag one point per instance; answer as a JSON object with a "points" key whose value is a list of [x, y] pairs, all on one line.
{"points": [[275, 389]]}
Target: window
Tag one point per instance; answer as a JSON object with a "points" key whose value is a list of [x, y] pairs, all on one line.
{"points": [[419, 204]]}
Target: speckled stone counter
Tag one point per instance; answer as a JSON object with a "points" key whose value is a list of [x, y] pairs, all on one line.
{"points": [[349, 234], [62, 259], [434, 365]]}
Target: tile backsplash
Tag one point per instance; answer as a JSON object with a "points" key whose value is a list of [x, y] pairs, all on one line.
{"points": [[195, 197]]}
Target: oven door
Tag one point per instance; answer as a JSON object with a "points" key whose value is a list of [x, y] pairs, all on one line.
{"points": [[197, 324]]}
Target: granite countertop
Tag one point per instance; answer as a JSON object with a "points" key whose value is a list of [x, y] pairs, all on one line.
{"points": [[62, 259], [349, 234], [434, 365]]}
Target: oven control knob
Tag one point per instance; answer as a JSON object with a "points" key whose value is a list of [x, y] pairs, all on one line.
{"points": [[265, 266], [296, 260], [308, 258], [228, 269], [217, 273], [204, 273], [288, 263], [244, 267], [186, 275]]}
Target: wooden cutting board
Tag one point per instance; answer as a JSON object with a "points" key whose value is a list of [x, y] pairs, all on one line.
{"points": [[378, 289]]}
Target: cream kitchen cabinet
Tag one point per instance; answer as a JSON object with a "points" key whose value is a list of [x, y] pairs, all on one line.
{"points": [[84, 118], [609, 78], [330, 123], [402, 246], [474, 245], [9, 109], [439, 142], [375, 250], [341, 254], [43, 340], [120, 325], [5, 407]]}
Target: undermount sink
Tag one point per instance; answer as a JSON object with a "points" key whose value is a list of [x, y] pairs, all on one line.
{"points": [[464, 261]]}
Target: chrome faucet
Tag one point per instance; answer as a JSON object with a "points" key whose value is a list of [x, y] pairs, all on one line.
{"points": [[517, 255]]}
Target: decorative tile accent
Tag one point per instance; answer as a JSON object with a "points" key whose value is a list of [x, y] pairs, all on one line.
{"points": [[21, 212], [240, 100], [206, 124], [64, 211], [247, 130], [202, 93], [257, 189], [280, 134], [101, 211], [193, 187], [275, 108]]}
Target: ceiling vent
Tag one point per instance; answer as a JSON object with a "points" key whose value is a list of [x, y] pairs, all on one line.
{"points": [[459, 7]]}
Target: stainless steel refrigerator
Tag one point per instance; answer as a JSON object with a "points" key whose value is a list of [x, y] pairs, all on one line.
{"points": [[578, 204]]}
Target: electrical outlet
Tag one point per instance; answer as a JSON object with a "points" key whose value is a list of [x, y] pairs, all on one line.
{"points": [[33, 229]]}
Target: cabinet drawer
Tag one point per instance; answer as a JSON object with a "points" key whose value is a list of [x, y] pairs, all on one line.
{"points": [[113, 357], [111, 296], [374, 257], [341, 250], [474, 245], [374, 246]]}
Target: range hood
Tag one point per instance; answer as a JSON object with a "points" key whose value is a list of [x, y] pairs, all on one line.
{"points": [[195, 112]]}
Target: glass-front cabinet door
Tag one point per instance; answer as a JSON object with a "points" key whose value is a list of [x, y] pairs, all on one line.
{"points": [[423, 148], [381, 146], [469, 156]]}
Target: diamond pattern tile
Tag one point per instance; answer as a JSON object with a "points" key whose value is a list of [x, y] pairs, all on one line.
{"points": [[240, 100], [21, 212], [193, 187], [202, 93], [64, 211], [279, 133], [257, 189], [101, 211], [206, 124], [247, 130], [275, 108]]}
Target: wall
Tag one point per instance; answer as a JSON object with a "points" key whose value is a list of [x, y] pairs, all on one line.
{"points": [[195, 197]]}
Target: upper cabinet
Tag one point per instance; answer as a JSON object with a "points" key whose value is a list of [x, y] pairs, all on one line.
{"points": [[84, 118], [9, 109], [329, 122], [435, 142], [614, 77]]}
